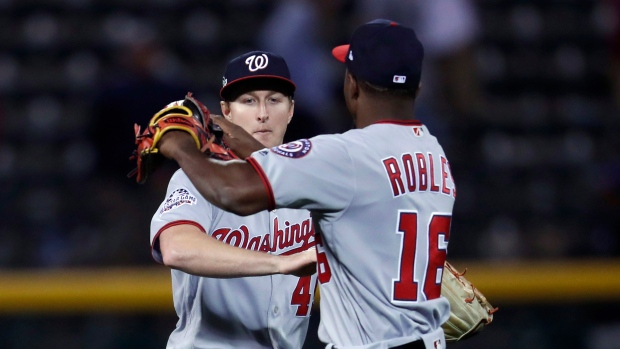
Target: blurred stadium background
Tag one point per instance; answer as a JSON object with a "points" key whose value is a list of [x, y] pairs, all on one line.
{"points": [[523, 94]]}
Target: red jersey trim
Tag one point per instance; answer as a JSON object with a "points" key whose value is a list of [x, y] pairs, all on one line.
{"points": [[299, 249], [400, 122], [263, 177], [155, 244]]}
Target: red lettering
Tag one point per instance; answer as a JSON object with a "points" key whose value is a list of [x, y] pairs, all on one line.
{"points": [[297, 233], [281, 238], [453, 183], [439, 235], [444, 176], [220, 234], [305, 231], [265, 244], [322, 265], [289, 238], [302, 296], [393, 172], [422, 172], [254, 243], [409, 171], [240, 236], [295, 229], [278, 235], [406, 287], [434, 187], [234, 238]]}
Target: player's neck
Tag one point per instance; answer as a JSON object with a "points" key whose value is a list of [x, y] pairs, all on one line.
{"points": [[371, 110]]}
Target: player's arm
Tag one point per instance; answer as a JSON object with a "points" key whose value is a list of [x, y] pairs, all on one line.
{"points": [[187, 248], [241, 142], [233, 186]]}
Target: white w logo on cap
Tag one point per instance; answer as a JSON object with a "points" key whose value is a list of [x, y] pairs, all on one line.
{"points": [[255, 62]]}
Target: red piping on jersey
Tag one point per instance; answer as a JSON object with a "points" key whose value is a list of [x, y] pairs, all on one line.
{"points": [[263, 177], [400, 122], [299, 249], [171, 224]]}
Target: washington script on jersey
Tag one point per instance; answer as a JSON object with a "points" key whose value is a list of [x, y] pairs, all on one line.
{"points": [[284, 236], [417, 171]]}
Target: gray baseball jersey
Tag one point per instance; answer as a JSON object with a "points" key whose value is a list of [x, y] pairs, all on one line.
{"points": [[250, 312], [381, 199]]}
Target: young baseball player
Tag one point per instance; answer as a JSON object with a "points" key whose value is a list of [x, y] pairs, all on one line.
{"points": [[381, 197], [211, 250]]}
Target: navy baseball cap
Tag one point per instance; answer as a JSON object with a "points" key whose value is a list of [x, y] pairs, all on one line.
{"points": [[256, 70], [384, 53]]}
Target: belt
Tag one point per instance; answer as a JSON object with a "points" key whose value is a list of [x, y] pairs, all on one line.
{"points": [[412, 345]]}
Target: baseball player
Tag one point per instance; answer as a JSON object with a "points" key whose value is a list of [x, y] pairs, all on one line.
{"points": [[381, 196], [210, 250]]}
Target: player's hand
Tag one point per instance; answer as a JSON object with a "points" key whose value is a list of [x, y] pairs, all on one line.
{"points": [[299, 264], [226, 126], [173, 143], [241, 142]]}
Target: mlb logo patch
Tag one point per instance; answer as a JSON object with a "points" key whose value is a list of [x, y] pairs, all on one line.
{"points": [[417, 131], [399, 79]]}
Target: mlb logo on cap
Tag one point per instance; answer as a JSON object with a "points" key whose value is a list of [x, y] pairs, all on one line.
{"points": [[399, 79]]}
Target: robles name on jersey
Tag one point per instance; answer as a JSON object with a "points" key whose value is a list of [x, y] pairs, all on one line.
{"points": [[416, 172]]}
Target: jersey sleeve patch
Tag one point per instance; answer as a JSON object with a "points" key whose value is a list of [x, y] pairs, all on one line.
{"points": [[294, 150], [178, 198], [417, 131]]}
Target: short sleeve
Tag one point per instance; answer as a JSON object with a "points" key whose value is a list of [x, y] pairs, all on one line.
{"points": [[314, 174], [182, 205]]}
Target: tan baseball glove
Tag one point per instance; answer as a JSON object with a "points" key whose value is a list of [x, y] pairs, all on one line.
{"points": [[470, 311]]}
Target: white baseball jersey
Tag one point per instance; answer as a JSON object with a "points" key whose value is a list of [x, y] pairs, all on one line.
{"points": [[250, 312], [381, 199]]}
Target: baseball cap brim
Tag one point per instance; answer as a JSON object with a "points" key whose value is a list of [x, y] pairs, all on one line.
{"points": [[274, 82], [340, 52]]}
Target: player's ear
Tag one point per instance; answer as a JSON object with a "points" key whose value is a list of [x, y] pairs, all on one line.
{"points": [[352, 89], [351, 93], [225, 106], [291, 110]]}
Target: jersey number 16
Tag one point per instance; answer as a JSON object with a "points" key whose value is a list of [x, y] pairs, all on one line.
{"points": [[405, 288]]}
